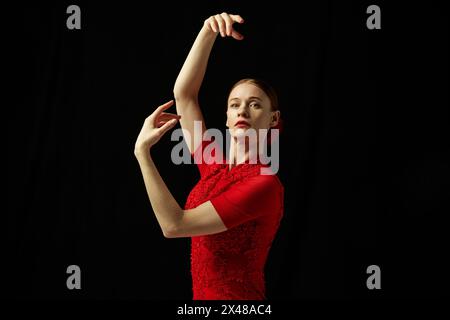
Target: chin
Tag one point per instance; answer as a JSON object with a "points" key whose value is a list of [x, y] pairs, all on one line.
{"points": [[238, 131]]}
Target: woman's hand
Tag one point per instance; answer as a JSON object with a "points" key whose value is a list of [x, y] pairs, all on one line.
{"points": [[223, 23], [155, 126]]}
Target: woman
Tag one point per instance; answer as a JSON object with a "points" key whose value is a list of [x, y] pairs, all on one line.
{"points": [[233, 213]]}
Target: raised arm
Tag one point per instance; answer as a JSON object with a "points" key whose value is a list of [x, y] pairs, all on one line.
{"points": [[173, 220], [235, 206], [189, 81]]}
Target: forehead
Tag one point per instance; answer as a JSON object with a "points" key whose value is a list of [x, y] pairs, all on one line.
{"points": [[246, 90]]}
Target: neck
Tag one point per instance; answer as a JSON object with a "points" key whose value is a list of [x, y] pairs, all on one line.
{"points": [[240, 152]]}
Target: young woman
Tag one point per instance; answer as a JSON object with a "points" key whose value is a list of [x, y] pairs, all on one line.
{"points": [[233, 213]]}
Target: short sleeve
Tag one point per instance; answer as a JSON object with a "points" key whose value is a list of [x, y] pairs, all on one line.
{"points": [[255, 197]]}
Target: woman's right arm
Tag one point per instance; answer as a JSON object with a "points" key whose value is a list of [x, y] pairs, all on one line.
{"points": [[188, 83]]}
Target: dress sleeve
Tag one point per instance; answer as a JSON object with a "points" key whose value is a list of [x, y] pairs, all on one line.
{"points": [[258, 196]]}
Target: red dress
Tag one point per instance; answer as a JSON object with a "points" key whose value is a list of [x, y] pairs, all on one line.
{"points": [[230, 265]]}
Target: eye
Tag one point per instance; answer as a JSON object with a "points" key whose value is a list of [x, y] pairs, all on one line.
{"points": [[233, 105], [254, 105]]}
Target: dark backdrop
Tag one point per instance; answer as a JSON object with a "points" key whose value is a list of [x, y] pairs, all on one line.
{"points": [[364, 154]]}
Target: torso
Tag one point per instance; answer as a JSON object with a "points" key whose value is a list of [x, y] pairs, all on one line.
{"points": [[230, 264]]}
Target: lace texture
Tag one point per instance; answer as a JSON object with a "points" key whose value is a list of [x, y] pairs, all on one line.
{"points": [[230, 264]]}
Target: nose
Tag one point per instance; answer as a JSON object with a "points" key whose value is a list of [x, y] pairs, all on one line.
{"points": [[242, 111]]}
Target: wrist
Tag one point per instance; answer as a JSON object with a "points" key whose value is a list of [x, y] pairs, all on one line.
{"points": [[141, 151], [206, 30]]}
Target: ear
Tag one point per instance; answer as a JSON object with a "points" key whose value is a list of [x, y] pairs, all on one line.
{"points": [[275, 118]]}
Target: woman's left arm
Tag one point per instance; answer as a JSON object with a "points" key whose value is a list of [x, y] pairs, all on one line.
{"points": [[171, 217], [165, 207]]}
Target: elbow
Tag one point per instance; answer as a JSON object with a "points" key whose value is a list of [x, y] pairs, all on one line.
{"points": [[170, 233], [178, 95], [173, 229], [167, 235], [183, 95], [177, 92]]}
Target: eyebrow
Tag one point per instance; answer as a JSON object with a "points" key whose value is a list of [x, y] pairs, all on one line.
{"points": [[250, 98]]}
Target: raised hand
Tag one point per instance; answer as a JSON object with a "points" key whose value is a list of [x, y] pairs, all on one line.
{"points": [[155, 126], [223, 23]]}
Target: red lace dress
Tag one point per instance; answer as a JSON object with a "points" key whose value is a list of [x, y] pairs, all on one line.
{"points": [[230, 265]]}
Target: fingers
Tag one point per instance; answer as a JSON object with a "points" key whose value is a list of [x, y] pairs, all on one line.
{"points": [[213, 24], [161, 108], [165, 106], [228, 23], [236, 35], [168, 116], [223, 23], [167, 126], [161, 123], [237, 18]]}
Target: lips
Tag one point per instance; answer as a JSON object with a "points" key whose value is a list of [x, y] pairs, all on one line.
{"points": [[241, 124]]}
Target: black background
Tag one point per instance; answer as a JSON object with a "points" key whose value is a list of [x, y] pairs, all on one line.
{"points": [[364, 154]]}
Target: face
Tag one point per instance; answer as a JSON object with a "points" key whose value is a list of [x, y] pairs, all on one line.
{"points": [[249, 107]]}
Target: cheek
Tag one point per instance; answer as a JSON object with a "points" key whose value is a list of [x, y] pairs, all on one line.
{"points": [[262, 120], [229, 118]]}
